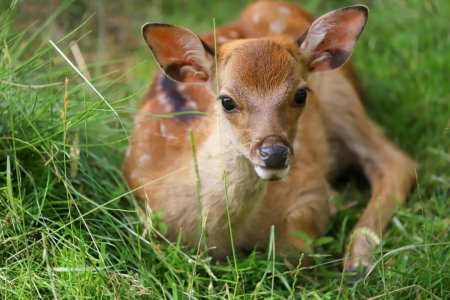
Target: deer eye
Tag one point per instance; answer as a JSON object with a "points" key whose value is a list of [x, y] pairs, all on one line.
{"points": [[300, 96], [228, 104]]}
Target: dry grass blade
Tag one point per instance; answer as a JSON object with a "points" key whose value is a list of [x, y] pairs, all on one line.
{"points": [[403, 289], [31, 86], [85, 79], [79, 58]]}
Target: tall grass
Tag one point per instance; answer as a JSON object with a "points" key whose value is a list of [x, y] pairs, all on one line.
{"points": [[69, 226]]}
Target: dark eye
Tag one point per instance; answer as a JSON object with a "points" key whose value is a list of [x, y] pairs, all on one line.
{"points": [[300, 96], [228, 104]]}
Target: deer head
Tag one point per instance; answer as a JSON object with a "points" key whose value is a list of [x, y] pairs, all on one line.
{"points": [[262, 83]]}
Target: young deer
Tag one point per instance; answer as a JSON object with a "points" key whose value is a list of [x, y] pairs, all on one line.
{"points": [[281, 126]]}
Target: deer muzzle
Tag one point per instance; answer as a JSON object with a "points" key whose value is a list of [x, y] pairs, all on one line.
{"points": [[273, 157]]}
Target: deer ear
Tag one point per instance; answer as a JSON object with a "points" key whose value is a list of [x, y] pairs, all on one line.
{"points": [[330, 39], [180, 53]]}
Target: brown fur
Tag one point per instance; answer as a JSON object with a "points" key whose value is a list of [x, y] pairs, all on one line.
{"points": [[331, 131]]}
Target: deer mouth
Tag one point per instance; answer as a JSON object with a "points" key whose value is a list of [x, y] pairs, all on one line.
{"points": [[272, 174]]}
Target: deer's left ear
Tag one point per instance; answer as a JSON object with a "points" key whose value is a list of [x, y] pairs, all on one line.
{"points": [[181, 54], [330, 39]]}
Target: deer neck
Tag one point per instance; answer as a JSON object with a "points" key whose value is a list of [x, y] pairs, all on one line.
{"points": [[227, 174]]}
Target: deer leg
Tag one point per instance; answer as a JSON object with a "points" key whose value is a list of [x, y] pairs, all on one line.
{"points": [[307, 211], [390, 172]]}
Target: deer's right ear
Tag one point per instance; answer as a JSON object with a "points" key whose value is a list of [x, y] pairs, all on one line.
{"points": [[181, 54]]}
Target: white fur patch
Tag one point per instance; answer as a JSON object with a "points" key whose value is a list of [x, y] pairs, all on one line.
{"points": [[284, 10], [165, 133], [233, 34], [165, 104], [162, 99], [182, 87], [144, 159], [256, 18], [163, 129], [277, 27], [269, 174], [222, 39], [192, 105]]}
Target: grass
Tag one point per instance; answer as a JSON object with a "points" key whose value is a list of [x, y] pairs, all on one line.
{"points": [[68, 223]]}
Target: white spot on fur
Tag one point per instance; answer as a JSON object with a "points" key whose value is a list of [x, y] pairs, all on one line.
{"points": [[277, 27], [134, 175], [233, 34], [163, 129], [165, 104], [165, 133], [144, 159], [256, 18], [222, 39], [284, 10], [192, 105]]}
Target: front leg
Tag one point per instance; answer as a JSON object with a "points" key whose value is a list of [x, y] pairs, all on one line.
{"points": [[305, 209]]}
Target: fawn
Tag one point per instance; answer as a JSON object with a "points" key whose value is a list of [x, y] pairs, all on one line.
{"points": [[283, 117]]}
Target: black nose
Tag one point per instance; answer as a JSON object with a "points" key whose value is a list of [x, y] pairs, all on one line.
{"points": [[274, 156]]}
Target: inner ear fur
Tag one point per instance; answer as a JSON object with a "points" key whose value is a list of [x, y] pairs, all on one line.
{"points": [[330, 40]]}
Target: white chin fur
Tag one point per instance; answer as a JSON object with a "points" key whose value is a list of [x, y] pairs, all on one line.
{"points": [[271, 174]]}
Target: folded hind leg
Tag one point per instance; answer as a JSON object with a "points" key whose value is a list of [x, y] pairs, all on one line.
{"points": [[391, 174]]}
